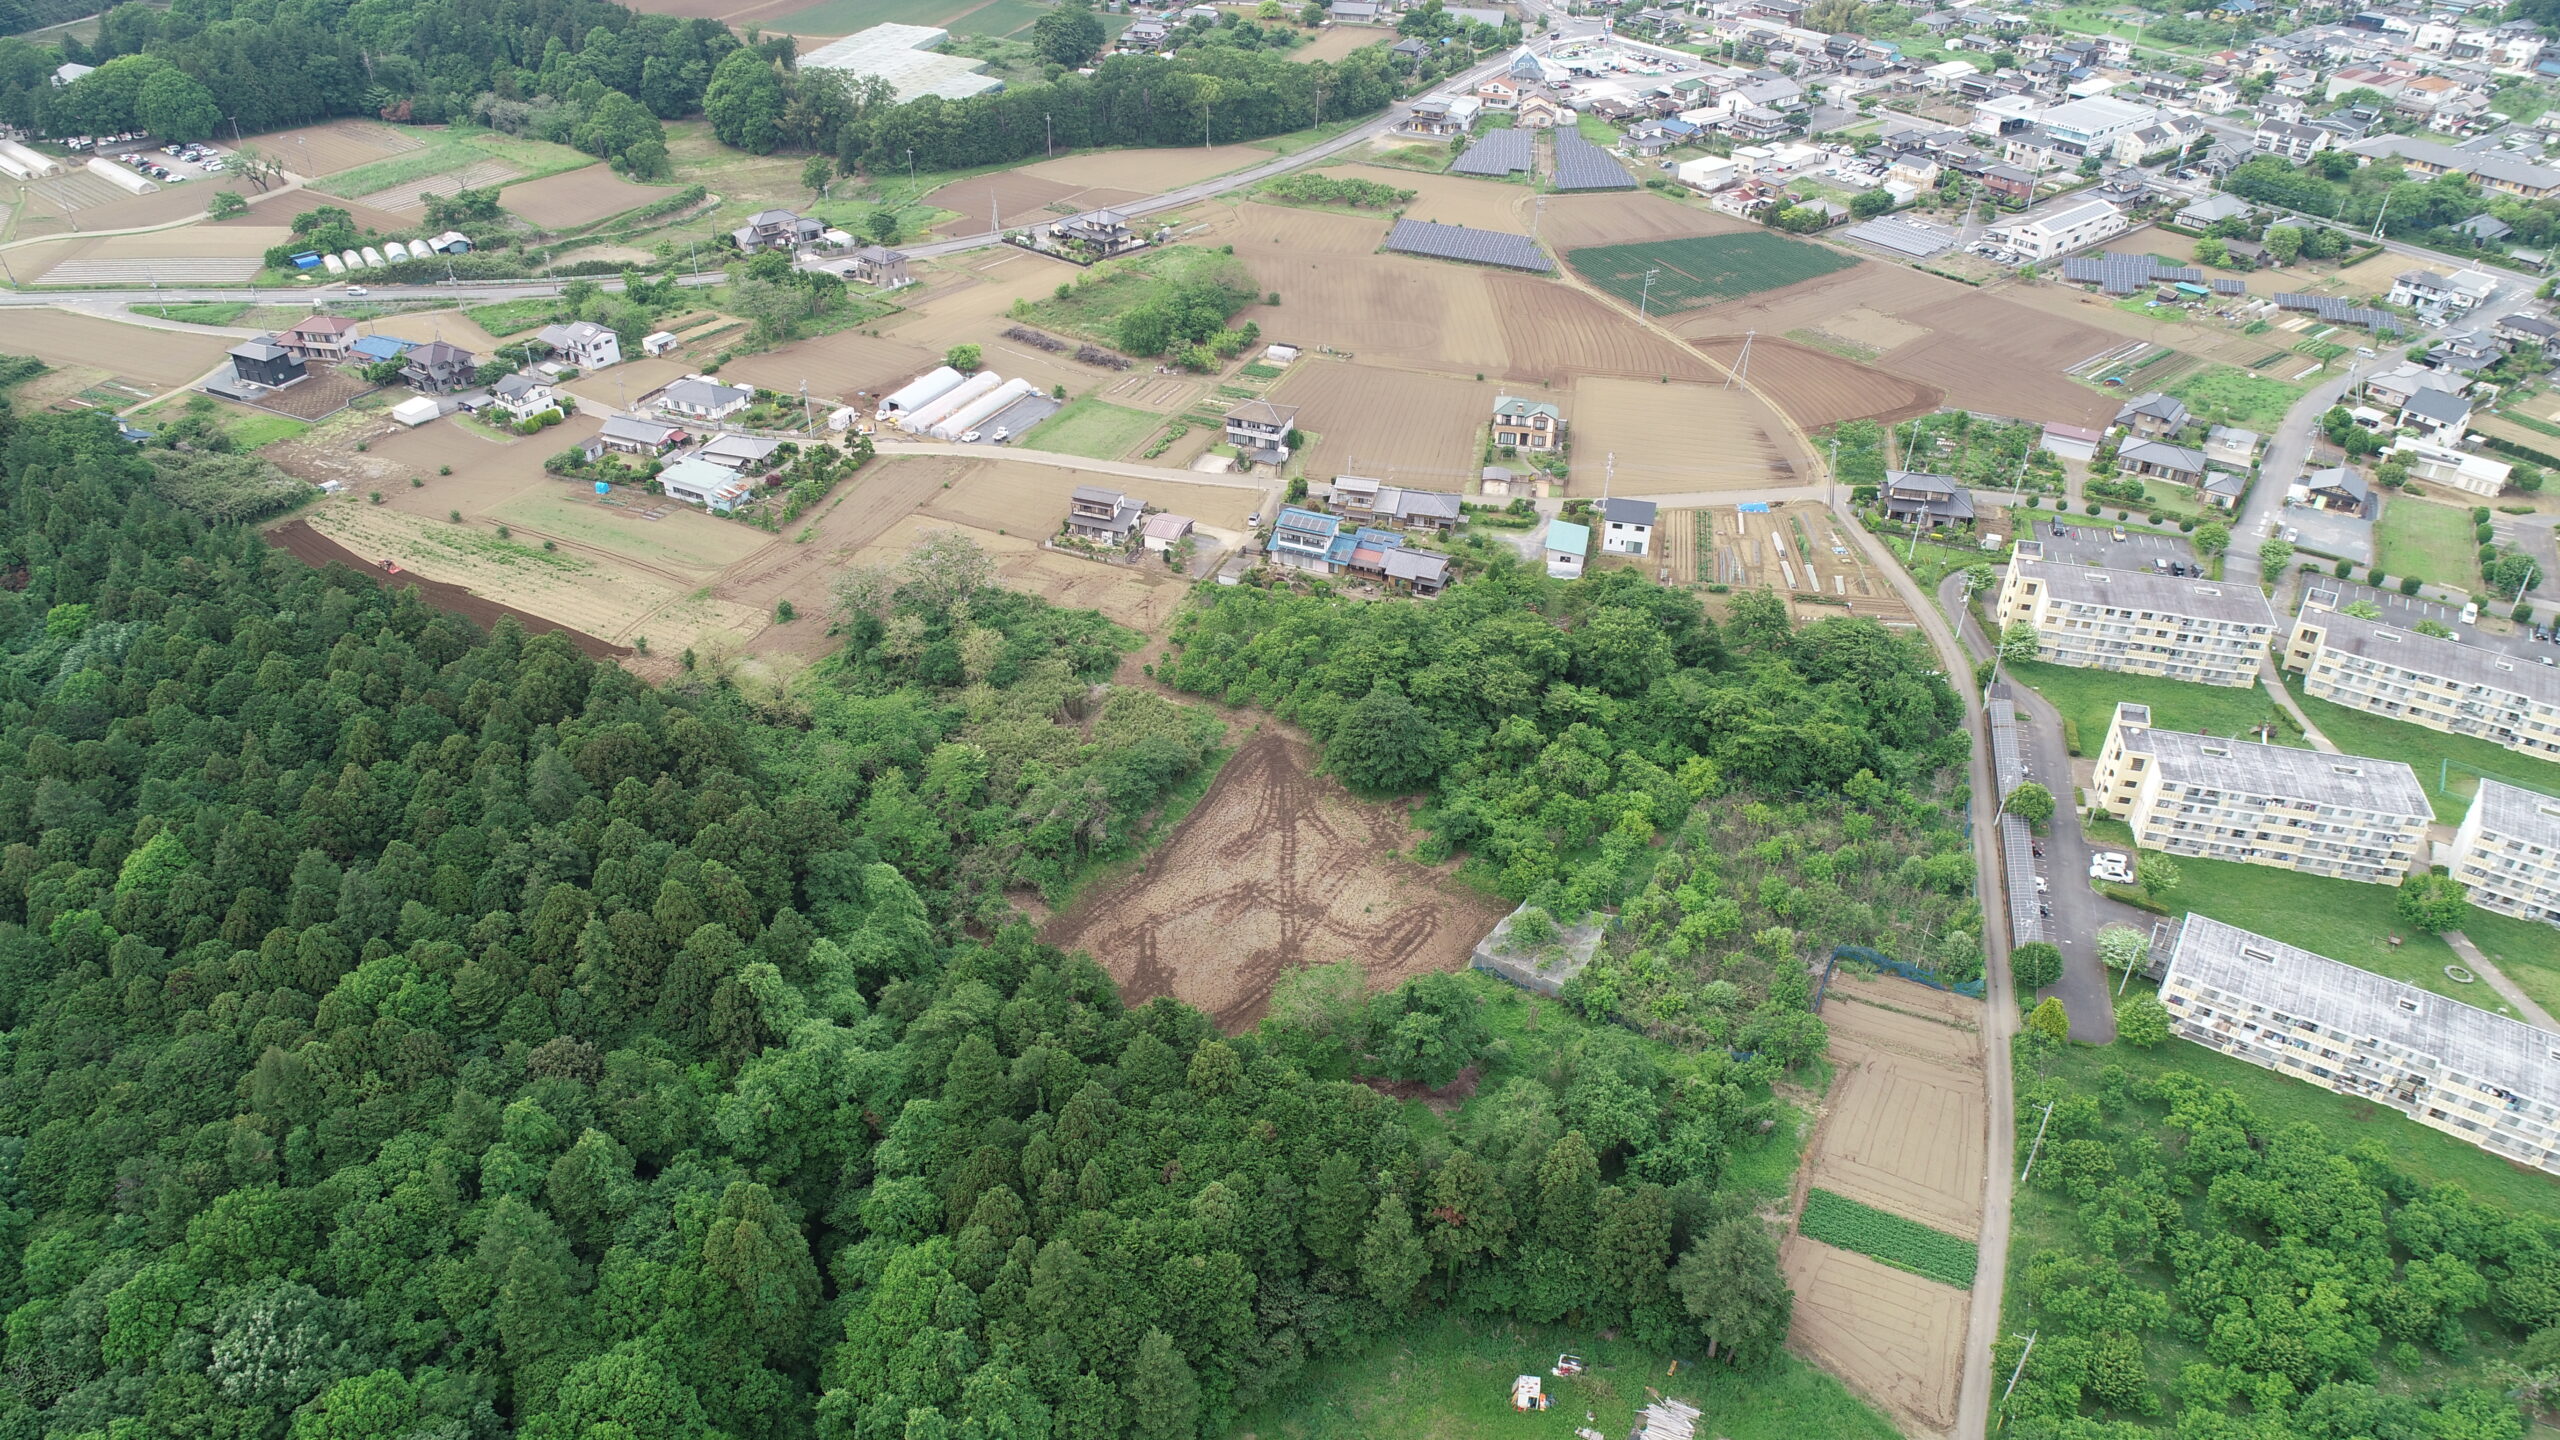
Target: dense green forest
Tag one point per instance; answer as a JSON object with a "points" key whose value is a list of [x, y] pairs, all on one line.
{"points": [[417, 1033], [2190, 1261]]}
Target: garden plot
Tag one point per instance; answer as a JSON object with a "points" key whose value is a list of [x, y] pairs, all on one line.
{"points": [[1279, 867], [1798, 550], [578, 197], [1017, 198], [412, 195], [844, 367], [1904, 1125], [1676, 439], [1145, 172], [1890, 1335], [1396, 425]]}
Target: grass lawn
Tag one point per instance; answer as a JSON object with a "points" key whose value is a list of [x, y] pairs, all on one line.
{"points": [[1449, 1378], [1934, 562], [217, 312], [249, 429], [2346, 920], [1088, 426], [508, 317], [2087, 700], [1596, 130], [2426, 752], [2527, 950], [2432, 542], [2226, 395]]}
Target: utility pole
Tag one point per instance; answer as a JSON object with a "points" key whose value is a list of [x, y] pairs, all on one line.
{"points": [[1048, 137], [1742, 363], [2014, 1374], [1644, 302], [805, 422], [2039, 1145]]}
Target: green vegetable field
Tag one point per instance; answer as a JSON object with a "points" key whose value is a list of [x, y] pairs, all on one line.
{"points": [[1902, 1244], [1703, 270]]}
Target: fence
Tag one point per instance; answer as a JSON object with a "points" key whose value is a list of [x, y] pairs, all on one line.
{"points": [[1971, 989]]}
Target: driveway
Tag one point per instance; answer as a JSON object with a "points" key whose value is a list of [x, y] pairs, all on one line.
{"points": [[2086, 989]]}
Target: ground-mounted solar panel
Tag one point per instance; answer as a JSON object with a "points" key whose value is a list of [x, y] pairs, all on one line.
{"points": [[1460, 242], [2230, 287], [1499, 153], [1898, 236], [1581, 165], [2118, 273], [2337, 311]]}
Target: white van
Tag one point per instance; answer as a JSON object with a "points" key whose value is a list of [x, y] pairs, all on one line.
{"points": [[2471, 613]]}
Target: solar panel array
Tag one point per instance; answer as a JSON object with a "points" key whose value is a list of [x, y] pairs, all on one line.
{"points": [[1460, 242], [2120, 274], [2331, 308], [1499, 153], [1902, 237], [1581, 165], [2230, 287]]}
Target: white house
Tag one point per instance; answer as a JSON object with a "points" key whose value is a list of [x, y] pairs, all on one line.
{"points": [[698, 399], [524, 397], [2061, 230], [699, 482], [2435, 297], [1567, 544], [1626, 527], [583, 343]]}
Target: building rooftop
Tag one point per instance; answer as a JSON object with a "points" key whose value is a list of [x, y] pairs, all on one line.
{"points": [[2154, 452], [1566, 536], [2143, 590], [1263, 412], [1514, 406], [2517, 813], [2348, 782], [1628, 512], [2450, 660], [904, 56], [2492, 1048]]}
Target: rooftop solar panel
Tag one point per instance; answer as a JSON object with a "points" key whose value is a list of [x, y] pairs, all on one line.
{"points": [[1581, 165], [1500, 152], [1459, 242]]}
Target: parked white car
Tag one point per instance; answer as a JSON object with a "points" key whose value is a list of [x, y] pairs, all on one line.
{"points": [[2113, 866]]}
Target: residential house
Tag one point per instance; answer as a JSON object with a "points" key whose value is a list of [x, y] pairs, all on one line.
{"points": [[627, 435], [2339, 488], [1626, 526], [1566, 545], [2485, 229], [1930, 500], [2436, 297], [439, 368], [1104, 517], [2009, 183], [2444, 465], [2155, 416], [325, 338], [264, 362], [2482, 1078], [1500, 93], [2229, 445], [1419, 571], [1105, 231], [2211, 632], [1520, 423], [524, 396], [1259, 430], [2391, 389], [2533, 330], [374, 349], [880, 267], [2159, 460], [2289, 141], [1304, 539], [1442, 115], [2508, 852], [713, 487], [1540, 112], [2223, 489], [2213, 210], [695, 398], [583, 343], [1144, 37], [739, 453], [2439, 413], [2446, 685], [777, 230], [2345, 816], [2496, 170]]}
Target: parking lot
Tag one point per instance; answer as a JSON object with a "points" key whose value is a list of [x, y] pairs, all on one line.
{"points": [[211, 160], [2097, 545], [2328, 532]]}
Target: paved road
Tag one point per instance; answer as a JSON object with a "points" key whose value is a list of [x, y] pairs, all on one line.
{"points": [[1132, 471], [2086, 989]]}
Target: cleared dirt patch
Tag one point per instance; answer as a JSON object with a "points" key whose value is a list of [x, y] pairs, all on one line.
{"points": [[1675, 439], [1341, 40], [1816, 388], [1278, 867], [578, 197], [1625, 216], [1451, 199], [1890, 1335], [1390, 424], [621, 386], [1145, 172], [163, 357], [843, 366], [1142, 597], [1020, 198], [311, 547], [317, 150], [1554, 333]]}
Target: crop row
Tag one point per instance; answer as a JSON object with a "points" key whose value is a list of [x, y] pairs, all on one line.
{"points": [[1902, 1244]]}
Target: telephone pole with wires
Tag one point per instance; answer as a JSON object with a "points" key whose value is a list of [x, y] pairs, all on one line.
{"points": [[1644, 302], [1741, 371]]}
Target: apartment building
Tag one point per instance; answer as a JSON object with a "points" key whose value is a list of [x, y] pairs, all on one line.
{"points": [[2442, 684], [2479, 1077], [2339, 815], [2208, 631], [2508, 852]]}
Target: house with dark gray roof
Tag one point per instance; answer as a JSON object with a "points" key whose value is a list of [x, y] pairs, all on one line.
{"points": [[1909, 495], [1626, 526]]}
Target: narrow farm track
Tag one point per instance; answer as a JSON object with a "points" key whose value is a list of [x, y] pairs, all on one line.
{"points": [[2000, 1011]]}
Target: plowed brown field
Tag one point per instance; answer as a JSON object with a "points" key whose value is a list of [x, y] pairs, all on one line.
{"points": [[1893, 1337], [1020, 197], [2002, 359], [1278, 868], [579, 197], [1573, 221], [1554, 333], [1396, 425], [1675, 439], [1817, 389]]}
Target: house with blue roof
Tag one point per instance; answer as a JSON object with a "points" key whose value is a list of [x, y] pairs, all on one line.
{"points": [[1567, 544], [1306, 539], [374, 349]]}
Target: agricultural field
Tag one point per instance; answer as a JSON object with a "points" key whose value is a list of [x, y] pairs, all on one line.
{"points": [[441, 161], [577, 197], [1815, 388], [1679, 439], [1796, 548], [317, 151], [1278, 867], [153, 357], [1402, 426], [1016, 198], [1845, 1224], [1904, 1132], [2431, 541], [247, 428], [1701, 271], [2223, 395], [1094, 428]]}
